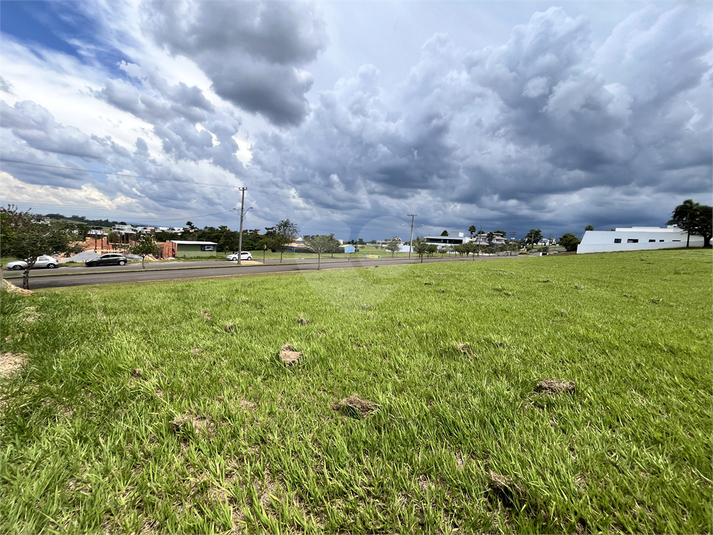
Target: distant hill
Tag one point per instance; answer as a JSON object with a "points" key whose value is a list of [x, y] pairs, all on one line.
{"points": [[84, 220]]}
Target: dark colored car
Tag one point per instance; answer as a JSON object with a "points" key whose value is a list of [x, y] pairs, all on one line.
{"points": [[108, 259]]}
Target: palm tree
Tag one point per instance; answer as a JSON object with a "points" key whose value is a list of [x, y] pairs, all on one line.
{"points": [[472, 230]]}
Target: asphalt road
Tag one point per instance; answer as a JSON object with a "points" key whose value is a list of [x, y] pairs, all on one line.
{"points": [[80, 276]]}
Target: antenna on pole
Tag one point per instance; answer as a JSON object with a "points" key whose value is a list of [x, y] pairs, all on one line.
{"points": [[410, 243]]}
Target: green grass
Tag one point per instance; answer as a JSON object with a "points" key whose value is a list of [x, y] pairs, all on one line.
{"points": [[88, 443]]}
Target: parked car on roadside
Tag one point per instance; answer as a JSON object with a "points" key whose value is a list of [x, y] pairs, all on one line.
{"points": [[108, 259], [245, 255], [42, 262]]}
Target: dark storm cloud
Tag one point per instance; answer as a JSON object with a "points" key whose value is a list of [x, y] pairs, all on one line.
{"points": [[253, 52], [15, 151], [505, 131], [5, 86], [35, 125], [182, 117], [30, 134], [153, 99]]}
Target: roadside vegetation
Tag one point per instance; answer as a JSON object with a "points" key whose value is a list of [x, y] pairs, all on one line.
{"points": [[550, 394]]}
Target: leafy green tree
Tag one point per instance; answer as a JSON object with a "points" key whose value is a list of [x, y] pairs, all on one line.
{"points": [[420, 247], [695, 219], [321, 243], [533, 237], [285, 233], [472, 230], [589, 227], [143, 247], [569, 241], [444, 233], [25, 238], [393, 246], [703, 224], [470, 248]]}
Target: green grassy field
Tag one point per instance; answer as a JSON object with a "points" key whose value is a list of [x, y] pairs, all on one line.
{"points": [[163, 407]]}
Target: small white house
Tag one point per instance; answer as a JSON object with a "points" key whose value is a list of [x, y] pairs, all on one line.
{"points": [[442, 241], [123, 229], [635, 239]]}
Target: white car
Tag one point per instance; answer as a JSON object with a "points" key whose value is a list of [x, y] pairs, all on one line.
{"points": [[245, 255], [42, 262]]}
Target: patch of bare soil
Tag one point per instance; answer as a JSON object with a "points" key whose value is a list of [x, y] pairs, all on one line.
{"points": [[546, 280], [504, 486], [356, 407], [288, 355], [303, 321], [135, 375], [580, 287], [11, 362], [247, 405], [199, 424], [9, 287], [553, 386], [229, 327], [30, 314], [206, 315]]}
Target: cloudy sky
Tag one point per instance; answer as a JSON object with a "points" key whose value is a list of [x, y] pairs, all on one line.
{"points": [[347, 116]]}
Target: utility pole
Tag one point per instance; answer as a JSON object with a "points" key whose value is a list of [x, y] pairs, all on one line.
{"points": [[240, 237], [410, 243]]}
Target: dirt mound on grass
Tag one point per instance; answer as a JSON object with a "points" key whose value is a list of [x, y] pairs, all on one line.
{"points": [[303, 321], [9, 287], [182, 424], [554, 386], [464, 349], [355, 406], [501, 482], [505, 487], [11, 362], [288, 355]]}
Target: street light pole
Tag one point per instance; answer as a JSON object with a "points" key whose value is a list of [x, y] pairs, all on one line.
{"points": [[240, 238], [410, 243]]}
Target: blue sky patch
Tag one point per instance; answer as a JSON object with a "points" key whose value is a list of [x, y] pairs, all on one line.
{"points": [[54, 25]]}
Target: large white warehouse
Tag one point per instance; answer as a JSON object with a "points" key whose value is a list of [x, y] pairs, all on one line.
{"points": [[635, 238]]}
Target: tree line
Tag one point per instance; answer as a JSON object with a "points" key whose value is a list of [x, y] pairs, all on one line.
{"points": [[26, 236]]}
